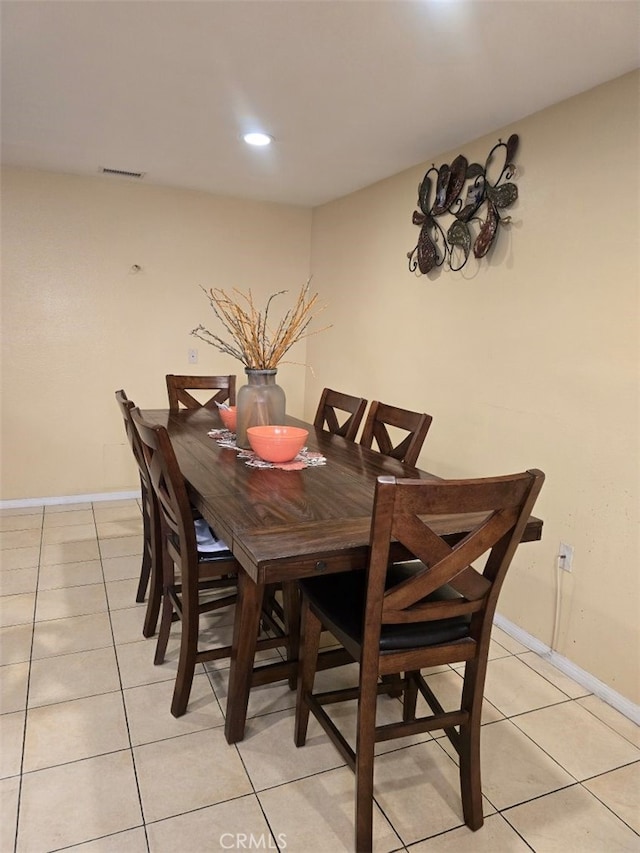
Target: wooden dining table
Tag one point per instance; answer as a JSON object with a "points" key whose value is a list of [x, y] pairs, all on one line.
{"points": [[282, 525]]}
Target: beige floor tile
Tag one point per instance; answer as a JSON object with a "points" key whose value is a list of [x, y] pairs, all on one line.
{"points": [[70, 601], [123, 512], [19, 539], [149, 711], [122, 568], [119, 503], [21, 522], [268, 767], [507, 642], [70, 574], [188, 772], [15, 643], [69, 731], [617, 721], [77, 802], [66, 507], [513, 687], [60, 679], [20, 558], [495, 836], [262, 700], [127, 625], [316, 815], [620, 791], [69, 552], [406, 780], [121, 547], [15, 679], [9, 793], [571, 820], [21, 510], [66, 519], [11, 738], [129, 841], [122, 594], [448, 688], [137, 667], [16, 609], [120, 529], [579, 742], [514, 769], [68, 533], [18, 581], [231, 826], [553, 674], [75, 634]]}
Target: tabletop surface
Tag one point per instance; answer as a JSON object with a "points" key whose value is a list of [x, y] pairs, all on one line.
{"points": [[289, 523]]}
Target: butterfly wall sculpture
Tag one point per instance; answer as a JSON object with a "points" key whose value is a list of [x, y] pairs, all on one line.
{"points": [[465, 193]]}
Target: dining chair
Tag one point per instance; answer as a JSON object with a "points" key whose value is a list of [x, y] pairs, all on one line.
{"points": [[397, 618], [150, 574], [332, 408], [414, 427], [193, 582], [178, 388]]}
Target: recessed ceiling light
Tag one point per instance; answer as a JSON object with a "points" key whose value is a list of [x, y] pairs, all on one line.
{"points": [[259, 139]]}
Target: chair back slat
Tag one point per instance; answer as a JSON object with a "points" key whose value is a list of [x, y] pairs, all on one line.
{"points": [[404, 512], [178, 388], [406, 448], [168, 483], [331, 411]]}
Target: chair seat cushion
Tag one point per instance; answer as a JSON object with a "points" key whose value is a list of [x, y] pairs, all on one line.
{"points": [[342, 596]]}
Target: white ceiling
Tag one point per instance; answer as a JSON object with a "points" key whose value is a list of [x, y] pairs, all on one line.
{"points": [[352, 90]]}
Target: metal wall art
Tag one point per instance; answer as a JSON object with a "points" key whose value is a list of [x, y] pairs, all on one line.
{"points": [[465, 192]]}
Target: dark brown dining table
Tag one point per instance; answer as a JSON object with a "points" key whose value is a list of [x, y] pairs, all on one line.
{"points": [[282, 525]]}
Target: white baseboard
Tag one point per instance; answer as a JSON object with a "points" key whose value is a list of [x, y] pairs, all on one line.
{"points": [[70, 499], [570, 669]]}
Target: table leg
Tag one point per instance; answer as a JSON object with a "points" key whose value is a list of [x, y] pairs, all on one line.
{"points": [[246, 626]]}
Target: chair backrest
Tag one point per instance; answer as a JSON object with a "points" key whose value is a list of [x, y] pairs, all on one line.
{"points": [[178, 388], [333, 406], [406, 512], [126, 406], [168, 484], [415, 424]]}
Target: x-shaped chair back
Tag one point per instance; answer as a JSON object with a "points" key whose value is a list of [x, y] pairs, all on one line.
{"points": [[382, 416], [178, 388], [406, 513], [333, 406]]}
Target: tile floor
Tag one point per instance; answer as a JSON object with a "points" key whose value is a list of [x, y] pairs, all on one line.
{"points": [[92, 759]]}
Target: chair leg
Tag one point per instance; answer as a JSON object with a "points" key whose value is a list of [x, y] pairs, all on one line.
{"points": [[410, 698], [311, 628], [168, 579], [291, 602], [145, 569], [365, 745], [469, 747], [145, 572], [188, 644]]}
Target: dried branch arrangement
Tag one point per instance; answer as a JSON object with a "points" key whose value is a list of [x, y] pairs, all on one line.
{"points": [[253, 339]]}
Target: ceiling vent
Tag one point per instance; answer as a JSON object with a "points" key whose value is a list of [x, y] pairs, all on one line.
{"points": [[123, 172]]}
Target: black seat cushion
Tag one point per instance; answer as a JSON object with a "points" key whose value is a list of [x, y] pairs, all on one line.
{"points": [[342, 596]]}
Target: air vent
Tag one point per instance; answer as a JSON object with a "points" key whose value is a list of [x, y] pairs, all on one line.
{"points": [[122, 172]]}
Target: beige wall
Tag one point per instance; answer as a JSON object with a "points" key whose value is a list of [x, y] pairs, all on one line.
{"points": [[529, 359], [77, 324]]}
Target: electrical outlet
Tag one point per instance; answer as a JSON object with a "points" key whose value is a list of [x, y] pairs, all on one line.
{"points": [[192, 356], [565, 557]]}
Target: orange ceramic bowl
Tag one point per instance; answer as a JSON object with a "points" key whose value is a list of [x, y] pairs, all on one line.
{"points": [[277, 443], [228, 417]]}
